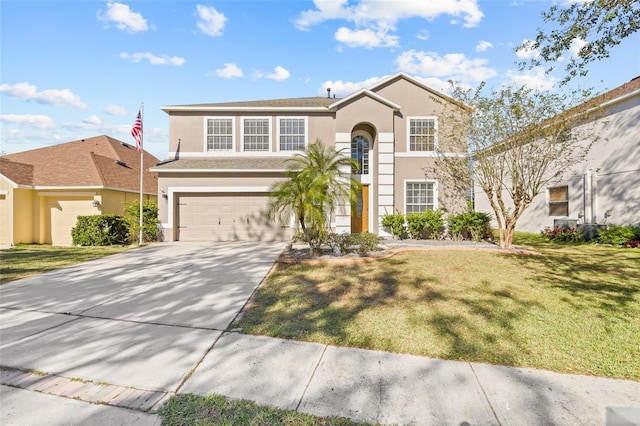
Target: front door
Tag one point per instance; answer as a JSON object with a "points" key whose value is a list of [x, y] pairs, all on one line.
{"points": [[360, 215]]}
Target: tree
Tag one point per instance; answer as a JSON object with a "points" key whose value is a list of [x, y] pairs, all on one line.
{"points": [[597, 24], [519, 140], [318, 182]]}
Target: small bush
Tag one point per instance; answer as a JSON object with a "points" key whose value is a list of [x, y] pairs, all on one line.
{"points": [[618, 234], [100, 230], [425, 225], [395, 224], [149, 220], [559, 234], [364, 242], [470, 225]]}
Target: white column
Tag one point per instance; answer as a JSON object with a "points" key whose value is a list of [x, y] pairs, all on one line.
{"points": [[343, 212], [386, 178]]}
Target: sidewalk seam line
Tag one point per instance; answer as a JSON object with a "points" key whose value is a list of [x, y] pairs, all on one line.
{"points": [[313, 373], [486, 397]]}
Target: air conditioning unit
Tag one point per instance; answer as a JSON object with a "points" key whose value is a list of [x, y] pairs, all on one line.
{"points": [[565, 223]]}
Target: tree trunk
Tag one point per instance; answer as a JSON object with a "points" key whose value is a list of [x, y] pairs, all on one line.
{"points": [[506, 237]]}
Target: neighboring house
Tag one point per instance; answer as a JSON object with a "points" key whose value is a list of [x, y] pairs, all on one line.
{"points": [[43, 191], [224, 157], [603, 189]]}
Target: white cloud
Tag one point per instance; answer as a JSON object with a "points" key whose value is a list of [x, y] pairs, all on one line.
{"points": [[527, 51], [124, 18], [93, 119], [452, 66], [483, 46], [576, 45], [30, 92], [210, 22], [388, 13], [279, 74], [230, 70], [535, 78], [341, 88], [153, 59], [115, 110], [29, 120], [423, 35], [366, 38]]}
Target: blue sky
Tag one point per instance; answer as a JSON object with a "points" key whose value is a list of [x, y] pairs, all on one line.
{"points": [[76, 69]]}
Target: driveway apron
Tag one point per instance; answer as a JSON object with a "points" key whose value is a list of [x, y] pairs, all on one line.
{"points": [[142, 318]]}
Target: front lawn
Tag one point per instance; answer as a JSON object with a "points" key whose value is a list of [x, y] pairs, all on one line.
{"points": [[573, 308], [31, 259]]}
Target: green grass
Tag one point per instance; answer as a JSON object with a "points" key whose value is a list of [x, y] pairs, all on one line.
{"points": [[187, 409], [29, 259], [573, 308]]}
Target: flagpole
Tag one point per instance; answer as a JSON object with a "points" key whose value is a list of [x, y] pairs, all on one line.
{"points": [[141, 168]]}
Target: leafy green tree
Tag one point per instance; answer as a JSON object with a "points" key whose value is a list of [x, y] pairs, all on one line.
{"points": [[149, 220], [598, 25], [519, 141], [318, 182]]}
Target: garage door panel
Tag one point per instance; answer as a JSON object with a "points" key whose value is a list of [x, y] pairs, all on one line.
{"points": [[226, 217]]}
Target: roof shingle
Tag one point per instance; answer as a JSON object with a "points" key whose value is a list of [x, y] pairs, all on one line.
{"points": [[99, 161]]}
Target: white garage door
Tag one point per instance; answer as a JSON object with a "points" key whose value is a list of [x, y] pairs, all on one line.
{"points": [[226, 217]]}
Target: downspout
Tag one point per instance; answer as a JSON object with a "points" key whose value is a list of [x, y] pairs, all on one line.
{"points": [[587, 195], [594, 196]]}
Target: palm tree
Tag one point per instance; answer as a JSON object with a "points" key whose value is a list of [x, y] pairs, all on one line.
{"points": [[318, 182]]}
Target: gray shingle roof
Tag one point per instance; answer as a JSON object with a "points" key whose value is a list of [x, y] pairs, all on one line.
{"points": [[224, 164]]}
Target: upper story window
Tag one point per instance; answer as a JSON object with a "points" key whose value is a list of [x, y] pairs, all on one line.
{"points": [[360, 153], [219, 134], [419, 197], [423, 134], [256, 134], [292, 134]]}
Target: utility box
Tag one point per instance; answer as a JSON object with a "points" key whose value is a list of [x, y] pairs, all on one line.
{"points": [[565, 223], [590, 231]]}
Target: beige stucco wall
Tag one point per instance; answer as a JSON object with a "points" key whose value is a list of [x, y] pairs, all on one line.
{"points": [[31, 214], [611, 166], [189, 129]]}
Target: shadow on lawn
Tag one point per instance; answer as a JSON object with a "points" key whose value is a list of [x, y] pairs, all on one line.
{"points": [[387, 303], [588, 276]]}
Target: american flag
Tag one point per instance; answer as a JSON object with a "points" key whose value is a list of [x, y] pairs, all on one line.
{"points": [[136, 131]]}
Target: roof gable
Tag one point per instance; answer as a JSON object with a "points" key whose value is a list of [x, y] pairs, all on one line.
{"points": [[367, 93]]}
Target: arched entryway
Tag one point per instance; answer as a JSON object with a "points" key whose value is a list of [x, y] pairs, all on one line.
{"points": [[362, 140]]}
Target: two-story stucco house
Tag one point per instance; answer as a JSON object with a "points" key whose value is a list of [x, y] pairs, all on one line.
{"points": [[225, 156]]}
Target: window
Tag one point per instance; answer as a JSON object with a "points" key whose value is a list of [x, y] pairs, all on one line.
{"points": [[292, 133], [256, 134], [559, 201], [360, 153], [422, 133], [219, 134], [420, 196]]}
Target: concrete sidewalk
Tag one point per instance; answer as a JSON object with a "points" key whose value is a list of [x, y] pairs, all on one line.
{"points": [[380, 387]]}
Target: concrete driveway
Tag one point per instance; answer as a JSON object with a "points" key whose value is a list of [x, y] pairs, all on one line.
{"points": [[142, 319]]}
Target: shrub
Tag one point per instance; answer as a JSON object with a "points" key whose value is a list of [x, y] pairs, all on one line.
{"points": [[365, 242], [395, 224], [618, 234], [470, 225], [100, 230], [559, 234], [426, 224], [149, 220]]}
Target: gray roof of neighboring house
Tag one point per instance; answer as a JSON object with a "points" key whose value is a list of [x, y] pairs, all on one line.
{"points": [[223, 164]]}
